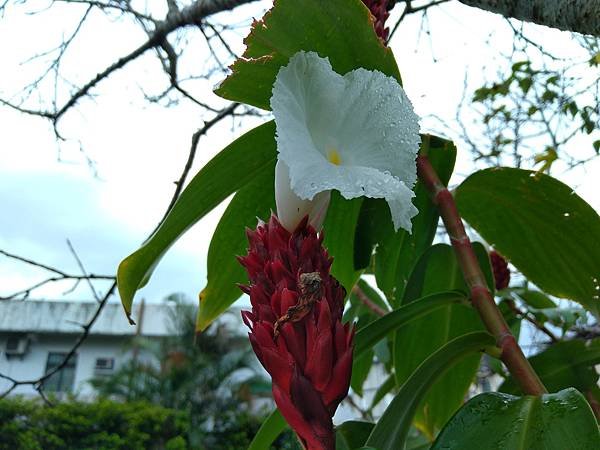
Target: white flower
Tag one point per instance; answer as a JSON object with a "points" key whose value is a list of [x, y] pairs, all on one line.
{"points": [[356, 133]]}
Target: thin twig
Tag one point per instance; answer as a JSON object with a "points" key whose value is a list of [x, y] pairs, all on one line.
{"points": [[365, 300], [60, 276], [192, 154], [83, 271], [410, 9], [192, 15], [532, 320], [38, 383]]}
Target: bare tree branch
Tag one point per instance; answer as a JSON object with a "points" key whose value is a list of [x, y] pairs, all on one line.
{"points": [[83, 271], [192, 154], [192, 15], [38, 383], [570, 15], [60, 276], [411, 8]]}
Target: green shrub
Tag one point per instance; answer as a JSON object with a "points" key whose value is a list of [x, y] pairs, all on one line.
{"points": [[108, 425], [101, 425]]}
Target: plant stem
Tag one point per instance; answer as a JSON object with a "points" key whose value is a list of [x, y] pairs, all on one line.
{"points": [[483, 301], [589, 395], [365, 300]]}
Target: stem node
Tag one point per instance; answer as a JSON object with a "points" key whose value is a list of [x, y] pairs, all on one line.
{"points": [[483, 301]]}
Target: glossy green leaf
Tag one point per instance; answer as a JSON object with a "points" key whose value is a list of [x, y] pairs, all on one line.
{"points": [[563, 317], [361, 316], [392, 429], [510, 316], [536, 299], [547, 231], [397, 252], [373, 295], [352, 434], [367, 337], [386, 387], [500, 421], [438, 270], [564, 364], [361, 367], [227, 172], [416, 440], [224, 272], [339, 227], [272, 427], [310, 25]]}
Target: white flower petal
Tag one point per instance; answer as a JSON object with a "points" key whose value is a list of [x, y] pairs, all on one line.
{"points": [[355, 133], [359, 181], [304, 100], [291, 209], [376, 125]]}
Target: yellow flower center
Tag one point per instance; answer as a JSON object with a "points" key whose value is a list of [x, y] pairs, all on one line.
{"points": [[333, 156]]}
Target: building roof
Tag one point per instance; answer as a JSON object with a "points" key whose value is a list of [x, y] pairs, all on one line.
{"points": [[49, 316]]}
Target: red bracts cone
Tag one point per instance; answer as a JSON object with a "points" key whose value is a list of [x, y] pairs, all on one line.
{"points": [[500, 269], [380, 10], [296, 327]]}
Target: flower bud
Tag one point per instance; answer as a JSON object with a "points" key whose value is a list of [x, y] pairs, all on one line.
{"points": [[500, 270], [296, 328]]}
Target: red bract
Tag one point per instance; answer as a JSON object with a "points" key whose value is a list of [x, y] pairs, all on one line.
{"points": [[380, 10], [500, 270], [296, 328]]}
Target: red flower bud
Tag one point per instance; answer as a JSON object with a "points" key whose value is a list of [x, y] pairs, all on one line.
{"points": [[500, 270], [380, 11], [296, 329]]}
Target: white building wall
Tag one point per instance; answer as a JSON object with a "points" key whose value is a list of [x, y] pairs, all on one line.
{"points": [[32, 365]]}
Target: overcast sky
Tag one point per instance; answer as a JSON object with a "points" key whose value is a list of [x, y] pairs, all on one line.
{"points": [[139, 149]]}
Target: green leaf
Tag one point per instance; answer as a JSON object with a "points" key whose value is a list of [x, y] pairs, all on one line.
{"points": [[352, 434], [438, 270], [367, 337], [564, 364], [224, 272], [397, 252], [392, 429], [535, 299], [385, 388], [361, 366], [563, 317], [227, 172], [310, 25], [272, 427], [548, 232], [373, 295], [339, 228], [361, 315], [499, 421]]}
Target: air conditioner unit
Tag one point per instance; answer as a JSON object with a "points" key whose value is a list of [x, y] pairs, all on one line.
{"points": [[16, 346], [104, 365]]}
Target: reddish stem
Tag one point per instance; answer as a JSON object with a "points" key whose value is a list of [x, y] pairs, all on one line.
{"points": [[589, 395], [365, 300], [481, 297]]}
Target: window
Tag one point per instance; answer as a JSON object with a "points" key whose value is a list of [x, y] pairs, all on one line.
{"points": [[63, 380], [16, 345], [104, 365]]}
